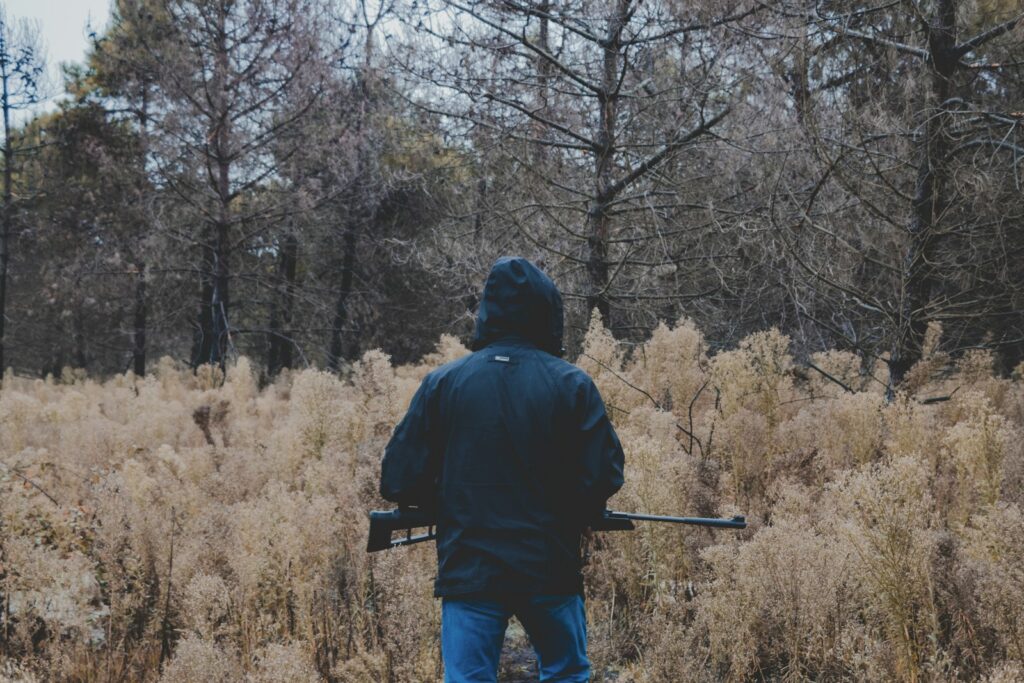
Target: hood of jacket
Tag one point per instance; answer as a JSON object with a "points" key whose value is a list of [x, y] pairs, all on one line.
{"points": [[520, 302]]}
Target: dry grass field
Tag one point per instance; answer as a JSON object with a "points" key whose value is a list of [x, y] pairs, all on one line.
{"points": [[191, 527]]}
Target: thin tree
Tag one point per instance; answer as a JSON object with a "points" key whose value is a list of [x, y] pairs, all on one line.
{"points": [[22, 67], [362, 198], [242, 74], [909, 215], [590, 108], [125, 67]]}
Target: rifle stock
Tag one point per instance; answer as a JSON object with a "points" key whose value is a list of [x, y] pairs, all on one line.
{"points": [[384, 524]]}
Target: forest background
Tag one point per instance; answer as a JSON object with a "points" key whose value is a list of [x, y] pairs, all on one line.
{"points": [[299, 181], [789, 235]]}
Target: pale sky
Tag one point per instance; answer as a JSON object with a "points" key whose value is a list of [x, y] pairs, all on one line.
{"points": [[62, 25]]}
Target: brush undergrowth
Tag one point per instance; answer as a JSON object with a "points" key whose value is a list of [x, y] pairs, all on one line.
{"points": [[192, 527]]}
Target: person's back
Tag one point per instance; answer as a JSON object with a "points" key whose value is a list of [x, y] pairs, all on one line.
{"points": [[512, 447]]}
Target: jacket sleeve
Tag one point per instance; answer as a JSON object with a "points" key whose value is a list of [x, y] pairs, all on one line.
{"points": [[412, 458], [602, 456]]}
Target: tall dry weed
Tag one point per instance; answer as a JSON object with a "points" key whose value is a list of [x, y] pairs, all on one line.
{"points": [[196, 527]]}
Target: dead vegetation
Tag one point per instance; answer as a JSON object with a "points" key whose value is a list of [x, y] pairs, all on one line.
{"points": [[191, 527]]}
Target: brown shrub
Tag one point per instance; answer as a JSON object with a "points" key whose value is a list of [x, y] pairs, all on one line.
{"points": [[195, 525]]}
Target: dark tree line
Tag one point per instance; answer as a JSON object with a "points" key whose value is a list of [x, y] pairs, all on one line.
{"points": [[21, 70], [302, 180]]}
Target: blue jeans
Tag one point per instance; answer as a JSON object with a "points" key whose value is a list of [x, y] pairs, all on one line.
{"points": [[472, 632]]}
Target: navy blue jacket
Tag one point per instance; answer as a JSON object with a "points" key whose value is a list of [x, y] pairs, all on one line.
{"points": [[510, 445]]}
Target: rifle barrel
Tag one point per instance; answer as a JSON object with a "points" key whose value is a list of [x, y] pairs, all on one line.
{"points": [[737, 522]]}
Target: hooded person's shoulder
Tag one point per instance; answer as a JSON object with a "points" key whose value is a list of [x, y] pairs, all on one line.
{"points": [[452, 367], [568, 375], [452, 370]]}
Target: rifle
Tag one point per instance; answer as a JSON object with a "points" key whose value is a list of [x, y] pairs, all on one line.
{"points": [[384, 523]]}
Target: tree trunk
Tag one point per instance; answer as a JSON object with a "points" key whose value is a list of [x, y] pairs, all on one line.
{"points": [[280, 340], [139, 327], [598, 216], [202, 339], [544, 72], [4, 259], [5, 232], [273, 336], [140, 313], [220, 295], [927, 203], [80, 359], [341, 316], [290, 258], [219, 164], [5, 219], [335, 349], [799, 80], [481, 202]]}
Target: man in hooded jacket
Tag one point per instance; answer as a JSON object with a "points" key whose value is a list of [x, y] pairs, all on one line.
{"points": [[512, 448]]}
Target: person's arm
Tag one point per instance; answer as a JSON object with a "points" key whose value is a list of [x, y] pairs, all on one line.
{"points": [[602, 457], [412, 458]]}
